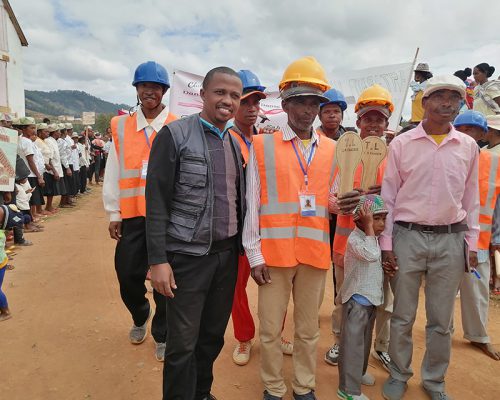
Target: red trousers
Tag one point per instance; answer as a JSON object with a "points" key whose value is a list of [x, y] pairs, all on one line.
{"points": [[244, 327]]}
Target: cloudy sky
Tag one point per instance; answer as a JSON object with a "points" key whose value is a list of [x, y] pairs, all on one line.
{"points": [[95, 45]]}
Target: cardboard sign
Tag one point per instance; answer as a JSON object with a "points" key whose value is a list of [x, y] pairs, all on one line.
{"points": [[348, 152], [8, 152], [374, 152]]}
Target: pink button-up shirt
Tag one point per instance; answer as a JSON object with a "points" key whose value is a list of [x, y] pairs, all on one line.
{"points": [[429, 184]]}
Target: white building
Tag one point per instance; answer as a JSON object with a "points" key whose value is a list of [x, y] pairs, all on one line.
{"points": [[12, 40]]}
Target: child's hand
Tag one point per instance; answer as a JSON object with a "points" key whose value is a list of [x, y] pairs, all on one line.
{"points": [[366, 220]]}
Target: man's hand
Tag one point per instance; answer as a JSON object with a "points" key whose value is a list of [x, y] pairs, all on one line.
{"points": [[41, 182], [7, 197], [68, 172], [347, 202], [260, 274], [162, 279], [389, 263], [56, 175], [375, 189], [115, 230], [473, 259]]}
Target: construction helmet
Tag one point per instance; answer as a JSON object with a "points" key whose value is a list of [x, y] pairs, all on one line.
{"points": [[471, 117], [151, 71], [251, 84], [375, 95], [305, 70], [335, 97]]}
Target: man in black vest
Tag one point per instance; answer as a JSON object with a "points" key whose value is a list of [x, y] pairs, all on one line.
{"points": [[195, 207]]}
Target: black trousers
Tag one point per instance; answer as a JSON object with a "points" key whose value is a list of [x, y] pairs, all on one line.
{"points": [[131, 265], [76, 179], [197, 318], [83, 179]]}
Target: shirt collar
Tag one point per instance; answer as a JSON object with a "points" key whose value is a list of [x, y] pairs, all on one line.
{"points": [[214, 129], [156, 124], [289, 134], [419, 132]]}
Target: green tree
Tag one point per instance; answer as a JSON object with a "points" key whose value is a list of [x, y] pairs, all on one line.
{"points": [[102, 122]]}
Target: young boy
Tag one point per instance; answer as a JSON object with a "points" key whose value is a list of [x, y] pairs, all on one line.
{"points": [[361, 293]]}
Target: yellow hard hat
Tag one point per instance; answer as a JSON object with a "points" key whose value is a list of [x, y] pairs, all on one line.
{"points": [[375, 95], [307, 70]]}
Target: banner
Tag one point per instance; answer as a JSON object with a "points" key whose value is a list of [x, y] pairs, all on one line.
{"points": [[185, 94], [88, 118], [8, 152], [395, 78]]}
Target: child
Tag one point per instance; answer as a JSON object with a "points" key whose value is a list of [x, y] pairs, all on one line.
{"points": [[361, 293], [8, 219], [23, 196]]}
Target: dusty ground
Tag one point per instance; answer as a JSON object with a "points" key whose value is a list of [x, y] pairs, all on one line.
{"points": [[68, 336]]}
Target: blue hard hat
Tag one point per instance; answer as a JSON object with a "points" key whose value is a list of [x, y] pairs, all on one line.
{"points": [[336, 97], [471, 117], [151, 71], [250, 81]]}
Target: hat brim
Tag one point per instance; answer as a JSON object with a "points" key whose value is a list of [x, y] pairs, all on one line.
{"points": [[258, 93], [380, 109], [429, 90], [321, 98], [494, 125]]}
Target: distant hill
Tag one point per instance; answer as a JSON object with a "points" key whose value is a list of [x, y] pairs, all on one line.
{"points": [[67, 102]]}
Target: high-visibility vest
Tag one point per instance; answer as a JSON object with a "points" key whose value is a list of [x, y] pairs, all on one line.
{"points": [[132, 150], [489, 188], [345, 223], [245, 152], [287, 237]]}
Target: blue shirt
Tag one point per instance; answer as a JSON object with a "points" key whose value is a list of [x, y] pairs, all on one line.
{"points": [[214, 129]]}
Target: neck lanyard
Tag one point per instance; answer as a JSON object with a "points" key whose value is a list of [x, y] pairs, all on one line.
{"points": [[304, 170], [247, 142], [147, 138]]}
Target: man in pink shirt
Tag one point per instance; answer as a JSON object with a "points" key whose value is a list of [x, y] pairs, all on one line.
{"points": [[431, 191]]}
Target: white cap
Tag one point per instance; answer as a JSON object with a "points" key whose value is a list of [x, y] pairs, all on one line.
{"points": [[493, 121], [440, 82]]}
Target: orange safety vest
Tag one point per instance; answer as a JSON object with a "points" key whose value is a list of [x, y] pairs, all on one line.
{"points": [[287, 238], [245, 152], [345, 223], [489, 188], [132, 150]]}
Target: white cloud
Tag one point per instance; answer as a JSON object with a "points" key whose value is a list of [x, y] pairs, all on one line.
{"points": [[95, 45]]}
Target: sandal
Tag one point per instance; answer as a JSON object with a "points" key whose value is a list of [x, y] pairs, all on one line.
{"points": [[9, 267]]}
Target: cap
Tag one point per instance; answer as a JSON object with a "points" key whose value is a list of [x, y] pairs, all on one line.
{"points": [[441, 82], [41, 126], [423, 67], [68, 125], [493, 121], [25, 121], [61, 126], [301, 89], [53, 127], [2, 117], [372, 203], [380, 109], [251, 92], [75, 135]]}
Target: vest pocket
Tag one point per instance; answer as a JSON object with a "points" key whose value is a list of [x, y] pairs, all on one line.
{"points": [[182, 223], [193, 172]]}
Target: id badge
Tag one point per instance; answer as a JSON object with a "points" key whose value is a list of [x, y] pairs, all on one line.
{"points": [[144, 170], [307, 204]]}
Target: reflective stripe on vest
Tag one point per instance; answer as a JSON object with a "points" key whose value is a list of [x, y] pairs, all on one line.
{"points": [[287, 238], [345, 223], [489, 189], [132, 149]]}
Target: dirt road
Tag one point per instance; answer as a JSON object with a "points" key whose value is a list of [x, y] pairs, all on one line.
{"points": [[68, 335]]}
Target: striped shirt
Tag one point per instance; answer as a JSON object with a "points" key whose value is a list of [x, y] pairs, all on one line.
{"points": [[251, 229]]}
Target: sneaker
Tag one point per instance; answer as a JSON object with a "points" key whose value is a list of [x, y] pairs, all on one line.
{"points": [[307, 396], [368, 379], [241, 353], [286, 346], [394, 389], [25, 242], [138, 334], [436, 395], [268, 396], [383, 357], [160, 351], [346, 396], [332, 355]]}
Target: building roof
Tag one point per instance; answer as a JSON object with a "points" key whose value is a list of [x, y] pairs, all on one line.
{"points": [[15, 22]]}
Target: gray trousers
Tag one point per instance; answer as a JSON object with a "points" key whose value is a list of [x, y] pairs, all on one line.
{"points": [[355, 345], [474, 303], [440, 257], [383, 316]]}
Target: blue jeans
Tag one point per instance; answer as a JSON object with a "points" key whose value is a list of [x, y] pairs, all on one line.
{"points": [[3, 298]]}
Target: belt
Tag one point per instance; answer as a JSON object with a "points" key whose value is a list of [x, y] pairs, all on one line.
{"points": [[453, 228]]}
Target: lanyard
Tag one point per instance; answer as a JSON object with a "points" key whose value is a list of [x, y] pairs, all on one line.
{"points": [[147, 138], [304, 170], [247, 142]]}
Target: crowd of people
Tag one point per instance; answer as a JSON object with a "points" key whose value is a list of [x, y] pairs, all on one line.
{"points": [[203, 202], [52, 161]]}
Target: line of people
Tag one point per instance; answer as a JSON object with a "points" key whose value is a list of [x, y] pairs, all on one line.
{"points": [[204, 202]]}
